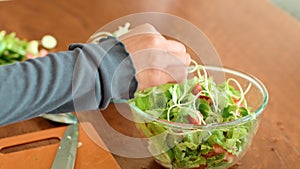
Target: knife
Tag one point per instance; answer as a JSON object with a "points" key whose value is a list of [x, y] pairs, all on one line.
{"points": [[66, 153]]}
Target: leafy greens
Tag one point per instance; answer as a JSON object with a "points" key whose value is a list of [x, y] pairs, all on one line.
{"points": [[196, 101]]}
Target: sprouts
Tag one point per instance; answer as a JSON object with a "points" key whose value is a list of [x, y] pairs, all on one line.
{"points": [[209, 90], [103, 34]]}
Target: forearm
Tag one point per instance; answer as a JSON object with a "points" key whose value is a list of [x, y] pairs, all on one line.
{"points": [[79, 79]]}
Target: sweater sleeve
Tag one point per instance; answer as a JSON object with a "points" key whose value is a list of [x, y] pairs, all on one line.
{"points": [[86, 77]]}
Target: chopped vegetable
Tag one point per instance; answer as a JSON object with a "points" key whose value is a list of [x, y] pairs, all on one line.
{"points": [[12, 49], [196, 101], [43, 52], [122, 30], [33, 47], [79, 144], [103, 34], [48, 42]]}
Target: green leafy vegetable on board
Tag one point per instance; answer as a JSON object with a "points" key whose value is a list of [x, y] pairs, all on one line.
{"points": [[13, 49]]}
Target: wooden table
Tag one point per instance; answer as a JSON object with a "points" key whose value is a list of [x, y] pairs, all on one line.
{"points": [[252, 36]]}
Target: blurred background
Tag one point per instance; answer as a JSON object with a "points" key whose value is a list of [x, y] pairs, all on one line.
{"points": [[260, 37]]}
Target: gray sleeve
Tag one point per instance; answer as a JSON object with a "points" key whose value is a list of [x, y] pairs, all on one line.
{"points": [[86, 77]]}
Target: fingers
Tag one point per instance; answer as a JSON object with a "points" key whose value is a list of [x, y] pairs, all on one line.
{"points": [[145, 29], [154, 77], [157, 43], [155, 67], [178, 50], [174, 46], [157, 60], [185, 58], [143, 41]]}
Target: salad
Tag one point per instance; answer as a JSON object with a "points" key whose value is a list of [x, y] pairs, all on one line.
{"points": [[168, 115], [198, 101]]}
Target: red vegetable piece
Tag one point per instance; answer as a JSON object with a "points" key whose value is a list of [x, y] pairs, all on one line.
{"points": [[192, 120], [30, 56], [236, 101], [229, 157], [43, 52], [219, 150], [197, 88], [205, 97]]}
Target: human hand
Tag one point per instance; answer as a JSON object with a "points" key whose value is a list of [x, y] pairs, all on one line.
{"points": [[156, 60]]}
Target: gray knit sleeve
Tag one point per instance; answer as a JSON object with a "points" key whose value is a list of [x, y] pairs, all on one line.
{"points": [[86, 77]]}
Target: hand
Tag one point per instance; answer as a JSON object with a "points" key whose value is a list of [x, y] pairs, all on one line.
{"points": [[156, 60]]}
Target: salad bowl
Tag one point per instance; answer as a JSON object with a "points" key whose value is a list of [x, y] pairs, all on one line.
{"points": [[207, 121]]}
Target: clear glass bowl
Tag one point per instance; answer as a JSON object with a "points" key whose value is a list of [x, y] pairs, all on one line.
{"points": [[165, 139]]}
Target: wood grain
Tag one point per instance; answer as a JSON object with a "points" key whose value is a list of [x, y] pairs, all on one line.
{"points": [[89, 154], [252, 36]]}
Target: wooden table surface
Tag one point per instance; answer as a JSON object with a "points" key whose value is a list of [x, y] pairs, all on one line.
{"points": [[253, 36]]}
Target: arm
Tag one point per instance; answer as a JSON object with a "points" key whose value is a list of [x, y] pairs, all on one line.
{"points": [[90, 75], [65, 81]]}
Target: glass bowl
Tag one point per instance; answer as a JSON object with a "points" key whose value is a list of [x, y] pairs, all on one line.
{"points": [[182, 145]]}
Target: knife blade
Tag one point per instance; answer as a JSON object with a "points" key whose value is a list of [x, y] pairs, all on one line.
{"points": [[66, 153]]}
